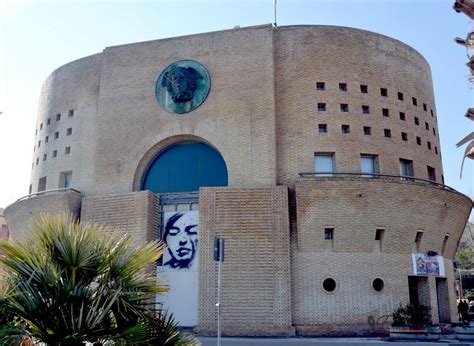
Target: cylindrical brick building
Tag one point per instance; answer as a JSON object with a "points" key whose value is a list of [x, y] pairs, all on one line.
{"points": [[312, 150]]}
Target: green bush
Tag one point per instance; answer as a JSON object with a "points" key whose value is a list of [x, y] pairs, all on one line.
{"points": [[411, 315]]}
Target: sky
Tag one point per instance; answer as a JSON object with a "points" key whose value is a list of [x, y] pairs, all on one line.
{"points": [[37, 37]]}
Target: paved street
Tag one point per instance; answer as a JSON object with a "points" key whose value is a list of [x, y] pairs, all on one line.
{"points": [[212, 341]]}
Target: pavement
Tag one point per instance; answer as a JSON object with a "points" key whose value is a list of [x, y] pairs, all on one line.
{"points": [[306, 341]]}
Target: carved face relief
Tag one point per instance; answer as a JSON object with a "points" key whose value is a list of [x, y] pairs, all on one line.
{"points": [[183, 86]]}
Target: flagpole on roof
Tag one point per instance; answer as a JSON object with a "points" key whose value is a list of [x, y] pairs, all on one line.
{"points": [[275, 12]]}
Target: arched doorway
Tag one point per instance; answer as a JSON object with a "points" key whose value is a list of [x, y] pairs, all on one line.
{"points": [[176, 173]]}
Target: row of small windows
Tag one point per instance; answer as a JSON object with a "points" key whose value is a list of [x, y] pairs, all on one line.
{"points": [[345, 129], [67, 151], [364, 89], [330, 285], [58, 118], [56, 136], [324, 166]]}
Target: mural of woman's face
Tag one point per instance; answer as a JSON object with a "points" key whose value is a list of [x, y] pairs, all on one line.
{"points": [[181, 236]]}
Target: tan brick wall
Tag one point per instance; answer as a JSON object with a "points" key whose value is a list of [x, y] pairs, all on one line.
{"points": [[256, 272], [134, 213], [19, 215], [305, 55]]}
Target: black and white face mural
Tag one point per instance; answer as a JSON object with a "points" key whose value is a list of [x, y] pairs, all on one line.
{"points": [[181, 235]]}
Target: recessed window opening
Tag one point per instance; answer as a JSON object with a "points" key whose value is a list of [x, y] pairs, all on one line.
{"points": [[344, 107], [71, 113], [417, 121], [387, 133], [414, 101], [434, 131], [424, 107], [383, 92], [324, 164], [39, 144], [329, 285], [321, 107], [427, 126], [365, 109], [48, 122], [378, 285], [56, 135], [37, 161], [45, 156], [67, 150], [65, 180], [428, 144], [431, 111], [342, 86], [431, 173], [368, 165], [323, 128], [55, 153], [404, 136], [69, 131], [379, 233], [445, 242], [345, 129], [42, 184], [385, 112], [406, 168], [418, 140], [436, 150], [364, 89], [41, 126], [400, 96], [46, 139], [418, 237], [367, 130], [58, 116], [329, 233], [402, 116]]}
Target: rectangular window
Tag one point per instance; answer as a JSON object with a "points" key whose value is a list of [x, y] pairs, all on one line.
{"points": [[445, 242], [402, 116], [364, 89], [342, 86], [55, 153], [383, 92], [428, 144], [345, 129], [387, 133], [425, 108], [37, 161], [65, 179], [418, 140], [385, 112], [58, 116], [30, 189], [431, 112], [320, 86], [56, 135], [45, 156], [39, 144], [41, 126], [344, 107], [379, 233], [434, 131], [427, 126], [365, 109], [329, 233], [71, 113], [368, 166], [404, 136], [417, 121], [323, 128], [367, 130], [42, 184], [321, 107], [67, 150], [400, 96], [324, 164], [431, 173], [418, 237], [69, 131], [406, 168], [48, 121], [414, 101], [436, 150]]}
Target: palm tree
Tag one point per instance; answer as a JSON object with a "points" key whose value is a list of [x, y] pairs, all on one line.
{"points": [[77, 282]]}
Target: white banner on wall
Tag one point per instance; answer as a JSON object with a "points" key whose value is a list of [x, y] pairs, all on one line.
{"points": [[180, 265], [427, 265]]}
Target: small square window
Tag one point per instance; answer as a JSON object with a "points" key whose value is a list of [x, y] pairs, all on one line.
{"points": [[402, 116], [436, 150], [418, 140], [365, 109], [344, 107], [321, 107], [58, 116], [55, 153], [404, 136], [414, 101], [41, 126], [328, 233], [387, 133], [342, 86], [67, 150], [428, 145], [39, 144], [434, 131], [425, 108], [400, 96], [383, 92], [56, 135], [46, 139], [427, 126], [364, 89], [345, 129], [45, 157], [320, 86], [323, 128], [69, 131], [367, 130], [385, 112], [417, 121], [48, 122], [71, 113]]}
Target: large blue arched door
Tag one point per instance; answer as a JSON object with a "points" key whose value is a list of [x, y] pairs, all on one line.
{"points": [[185, 167]]}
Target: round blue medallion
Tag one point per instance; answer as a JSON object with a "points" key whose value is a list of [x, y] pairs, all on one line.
{"points": [[183, 86]]}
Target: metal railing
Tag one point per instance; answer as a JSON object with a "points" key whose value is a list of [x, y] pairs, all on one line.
{"points": [[376, 176], [47, 192]]}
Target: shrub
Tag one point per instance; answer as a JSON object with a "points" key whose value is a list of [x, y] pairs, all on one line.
{"points": [[411, 315]]}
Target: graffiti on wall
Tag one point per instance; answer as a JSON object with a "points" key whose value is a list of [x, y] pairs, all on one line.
{"points": [[181, 236]]}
